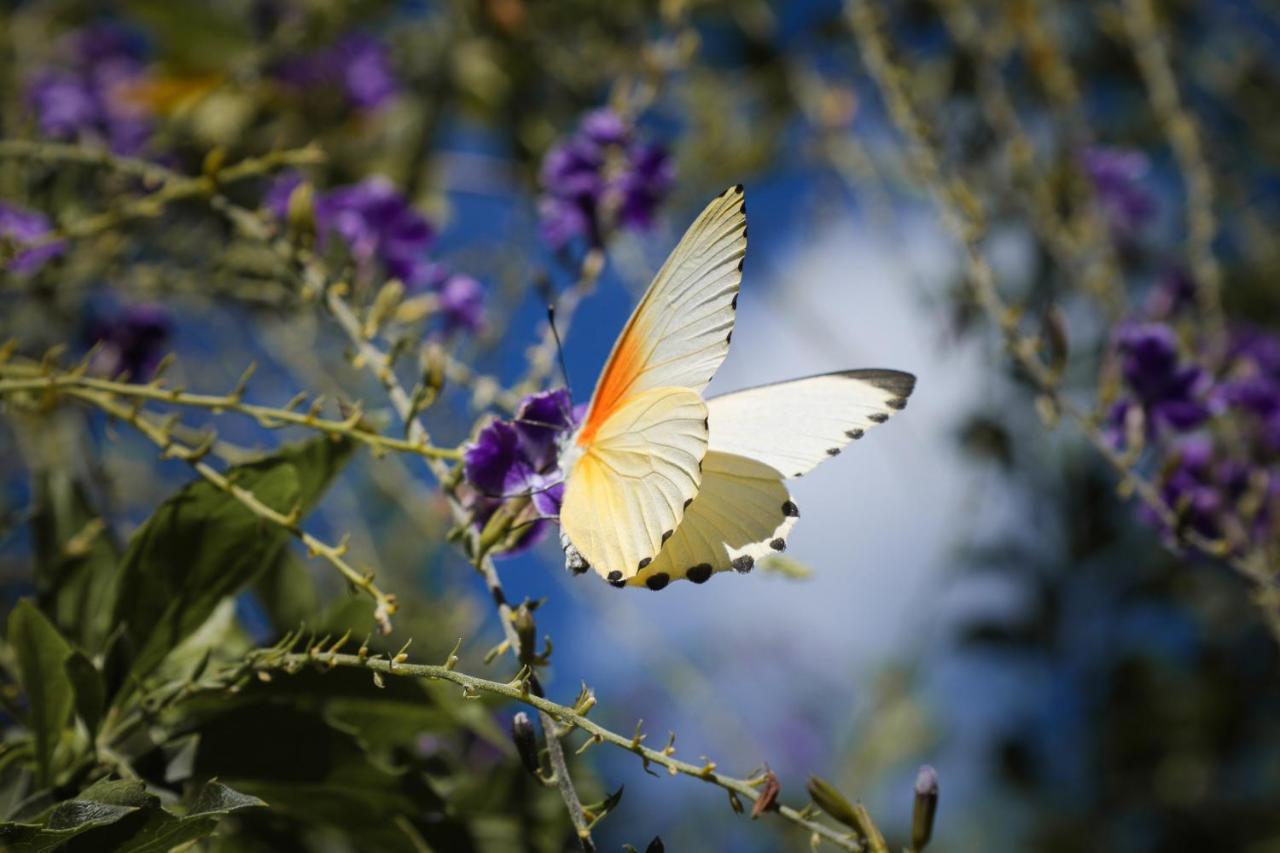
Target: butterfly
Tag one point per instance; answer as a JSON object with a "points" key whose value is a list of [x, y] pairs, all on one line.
{"points": [[663, 484]]}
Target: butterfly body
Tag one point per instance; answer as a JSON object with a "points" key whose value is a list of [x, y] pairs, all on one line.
{"points": [[663, 484]]}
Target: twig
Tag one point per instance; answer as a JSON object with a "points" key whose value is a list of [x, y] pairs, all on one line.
{"points": [[173, 185], [1184, 139], [35, 378], [272, 659], [159, 435], [1087, 255]]}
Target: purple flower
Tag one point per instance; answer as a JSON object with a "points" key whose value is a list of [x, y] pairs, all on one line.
{"points": [[518, 460], [357, 64], [131, 341], [90, 97], [1207, 492], [1252, 383], [1171, 393], [386, 235], [379, 226], [1117, 175], [601, 177], [462, 303], [23, 232], [373, 220]]}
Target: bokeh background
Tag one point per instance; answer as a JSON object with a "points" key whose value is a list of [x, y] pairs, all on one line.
{"points": [[968, 587]]}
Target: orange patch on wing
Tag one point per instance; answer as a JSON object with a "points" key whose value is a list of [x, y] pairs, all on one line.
{"points": [[619, 374]]}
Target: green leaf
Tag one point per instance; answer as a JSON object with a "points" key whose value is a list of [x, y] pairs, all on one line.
{"points": [[75, 557], [42, 654], [73, 817], [318, 775], [203, 545], [90, 695], [124, 816]]}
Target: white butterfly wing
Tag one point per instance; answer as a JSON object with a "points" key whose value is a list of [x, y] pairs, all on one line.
{"points": [[742, 512], [792, 426], [645, 432], [679, 333], [629, 489]]}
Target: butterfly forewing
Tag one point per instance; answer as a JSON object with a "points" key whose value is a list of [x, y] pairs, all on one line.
{"points": [[679, 333]]}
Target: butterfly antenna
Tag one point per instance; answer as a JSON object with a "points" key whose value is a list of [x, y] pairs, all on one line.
{"points": [[555, 334]]}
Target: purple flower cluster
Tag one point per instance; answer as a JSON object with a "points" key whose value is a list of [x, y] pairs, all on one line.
{"points": [[1169, 392], [519, 460], [22, 235], [386, 235], [131, 341], [601, 177], [91, 97], [357, 65], [1219, 488], [1117, 176]]}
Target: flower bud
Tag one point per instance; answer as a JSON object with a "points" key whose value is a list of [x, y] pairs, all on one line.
{"points": [[526, 741], [832, 802], [526, 631], [926, 806]]}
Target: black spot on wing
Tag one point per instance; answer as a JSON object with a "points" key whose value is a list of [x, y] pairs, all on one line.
{"points": [[499, 597], [833, 451], [854, 433], [666, 535], [658, 581], [617, 584], [699, 573], [646, 561], [743, 564], [687, 502], [614, 577], [878, 418], [898, 403], [778, 545], [790, 510]]}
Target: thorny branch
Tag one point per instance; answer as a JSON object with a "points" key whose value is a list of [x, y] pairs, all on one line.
{"points": [[161, 435], [20, 377], [520, 690]]}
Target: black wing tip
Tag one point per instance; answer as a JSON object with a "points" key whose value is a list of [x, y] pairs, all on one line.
{"points": [[896, 382]]}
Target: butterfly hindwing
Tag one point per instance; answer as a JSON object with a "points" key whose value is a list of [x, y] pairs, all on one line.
{"points": [[630, 486], [792, 426], [742, 513]]}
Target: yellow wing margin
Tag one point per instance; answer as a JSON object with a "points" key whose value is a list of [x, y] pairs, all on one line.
{"points": [[742, 513], [628, 491]]}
